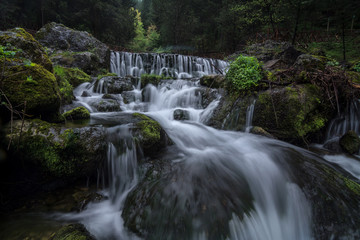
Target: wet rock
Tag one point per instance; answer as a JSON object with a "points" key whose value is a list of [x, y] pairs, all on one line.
{"points": [[208, 95], [260, 131], [128, 96], [84, 198], [110, 96], [115, 85], [79, 113], [72, 232], [350, 142], [181, 115], [333, 145], [85, 94], [150, 135], [73, 48], [213, 81], [107, 105]]}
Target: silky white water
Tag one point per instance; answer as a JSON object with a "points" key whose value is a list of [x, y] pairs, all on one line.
{"points": [[231, 159]]}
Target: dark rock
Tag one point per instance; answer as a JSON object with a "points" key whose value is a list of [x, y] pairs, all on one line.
{"points": [[308, 62], [213, 81], [110, 96], [289, 55], [72, 232], [86, 50], [107, 105], [86, 94], [350, 142], [266, 51], [333, 145], [291, 113], [180, 115], [208, 95], [128, 96], [115, 85], [59, 152]]}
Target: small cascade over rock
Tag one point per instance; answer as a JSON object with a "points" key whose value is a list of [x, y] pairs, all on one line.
{"points": [[170, 65], [348, 120]]}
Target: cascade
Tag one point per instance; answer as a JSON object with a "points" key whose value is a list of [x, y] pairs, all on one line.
{"points": [[231, 185], [348, 120], [170, 65]]}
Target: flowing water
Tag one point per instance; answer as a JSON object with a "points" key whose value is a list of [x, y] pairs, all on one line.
{"points": [[234, 185], [232, 162], [174, 65]]}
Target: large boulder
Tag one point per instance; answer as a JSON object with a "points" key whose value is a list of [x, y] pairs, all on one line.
{"points": [[33, 88], [292, 113], [149, 134], [58, 152], [114, 84], [73, 48], [30, 48], [350, 142]]}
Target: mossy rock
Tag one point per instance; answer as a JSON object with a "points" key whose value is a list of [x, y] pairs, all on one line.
{"points": [[310, 62], [31, 49], [58, 152], [292, 113], [150, 134], [350, 142], [150, 79], [34, 85], [74, 76], [79, 113], [213, 81], [260, 131], [72, 232]]}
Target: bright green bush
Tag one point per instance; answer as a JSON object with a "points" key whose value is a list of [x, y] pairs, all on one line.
{"points": [[244, 73]]}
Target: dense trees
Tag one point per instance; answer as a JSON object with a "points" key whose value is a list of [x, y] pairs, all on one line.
{"points": [[196, 25], [109, 20]]}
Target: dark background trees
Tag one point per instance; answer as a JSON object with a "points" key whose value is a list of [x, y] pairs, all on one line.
{"points": [[189, 25]]}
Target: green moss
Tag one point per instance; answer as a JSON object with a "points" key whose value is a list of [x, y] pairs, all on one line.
{"points": [[74, 76], [31, 49], [150, 79], [72, 232], [333, 175], [291, 112], [41, 98], [106, 75], [78, 113], [150, 129]]}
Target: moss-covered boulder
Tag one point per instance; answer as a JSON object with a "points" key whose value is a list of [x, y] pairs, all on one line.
{"points": [[73, 48], [150, 79], [292, 113], [74, 76], [260, 131], [56, 151], [309, 62], [72, 232], [350, 142], [149, 134], [34, 85], [79, 113], [30, 48]]}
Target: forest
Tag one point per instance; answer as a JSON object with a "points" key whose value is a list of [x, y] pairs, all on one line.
{"points": [[188, 26]]}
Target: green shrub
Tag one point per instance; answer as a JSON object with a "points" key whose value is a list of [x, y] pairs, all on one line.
{"points": [[244, 73], [356, 67]]}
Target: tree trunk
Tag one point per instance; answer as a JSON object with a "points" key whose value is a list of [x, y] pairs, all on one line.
{"points": [[296, 22]]}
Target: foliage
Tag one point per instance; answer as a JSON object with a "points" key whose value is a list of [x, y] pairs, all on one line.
{"points": [[143, 42], [106, 75], [356, 67], [244, 73]]}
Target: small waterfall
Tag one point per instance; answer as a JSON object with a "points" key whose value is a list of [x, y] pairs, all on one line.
{"points": [[173, 65], [348, 120], [249, 116], [103, 219]]}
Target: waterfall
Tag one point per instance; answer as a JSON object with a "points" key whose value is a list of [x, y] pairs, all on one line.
{"points": [[348, 120], [249, 116], [169, 65]]}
